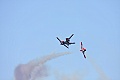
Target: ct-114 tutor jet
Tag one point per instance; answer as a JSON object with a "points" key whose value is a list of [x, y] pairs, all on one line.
{"points": [[83, 49], [67, 42]]}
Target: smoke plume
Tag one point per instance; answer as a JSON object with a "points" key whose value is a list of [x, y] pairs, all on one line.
{"points": [[35, 68], [102, 75]]}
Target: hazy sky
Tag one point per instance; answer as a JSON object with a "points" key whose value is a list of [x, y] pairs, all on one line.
{"points": [[28, 30]]}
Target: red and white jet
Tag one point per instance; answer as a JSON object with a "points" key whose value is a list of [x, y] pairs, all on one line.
{"points": [[82, 49]]}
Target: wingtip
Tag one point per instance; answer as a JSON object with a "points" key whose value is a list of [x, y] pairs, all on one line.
{"points": [[81, 43], [84, 56], [67, 47]]}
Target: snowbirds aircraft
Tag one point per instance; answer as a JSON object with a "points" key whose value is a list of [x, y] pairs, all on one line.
{"points": [[67, 42], [82, 49]]}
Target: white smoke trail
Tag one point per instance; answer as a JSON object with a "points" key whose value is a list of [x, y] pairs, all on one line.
{"points": [[35, 69], [52, 56], [43, 60], [101, 73]]}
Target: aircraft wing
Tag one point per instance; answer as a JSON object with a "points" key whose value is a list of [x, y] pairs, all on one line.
{"points": [[66, 46], [72, 43], [71, 36], [58, 39], [84, 54], [81, 45]]}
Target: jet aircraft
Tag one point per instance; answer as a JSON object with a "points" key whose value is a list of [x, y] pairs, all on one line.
{"points": [[67, 42], [82, 49]]}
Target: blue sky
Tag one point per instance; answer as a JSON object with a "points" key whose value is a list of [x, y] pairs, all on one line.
{"points": [[28, 30]]}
